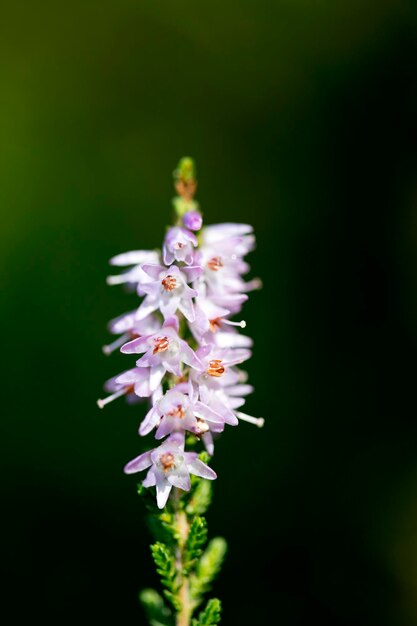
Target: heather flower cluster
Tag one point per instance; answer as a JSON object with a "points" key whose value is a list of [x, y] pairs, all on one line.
{"points": [[187, 347]]}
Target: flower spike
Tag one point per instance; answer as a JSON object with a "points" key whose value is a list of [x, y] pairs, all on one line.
{"points": [[185, 353]]}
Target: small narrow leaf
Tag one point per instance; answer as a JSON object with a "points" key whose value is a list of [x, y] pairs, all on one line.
{"points": [[200, 497], [155, 609], [207, 569], [197, 537], [166, 568], [211, 614]]}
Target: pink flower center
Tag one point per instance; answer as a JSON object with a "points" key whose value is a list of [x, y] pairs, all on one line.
{"points": [[215, 368], [215, 324], [169, 283], [179, 245], [161, 344], [215, 263], [177, 412], [167, 461]]}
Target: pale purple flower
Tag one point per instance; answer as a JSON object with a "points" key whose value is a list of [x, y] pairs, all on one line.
{"points": [[164, 351], [212, 326], [201, 281], [206, 312], [129, 327], [224, 400], [192, 220], [134, 384], [179, 246], [220, 254], [230, 234], [219, 382], [228, 337], [178, 410], [169, 467], [214, 363], [223, 270], [135, 274], [168, 291]]}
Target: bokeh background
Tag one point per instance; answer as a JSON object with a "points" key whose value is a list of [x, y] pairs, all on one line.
{"points": [[302, 119]]}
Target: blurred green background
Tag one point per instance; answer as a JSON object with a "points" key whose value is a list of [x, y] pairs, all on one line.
{"points": [[302, 119]]}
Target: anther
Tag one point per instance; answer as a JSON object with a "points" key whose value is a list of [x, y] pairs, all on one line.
{"points": [[111, 347], [177, 412], [161, 344], [167, 460], [258, 421], [215, 263], [101, 403], [215, 368], [241, 324], [201, 428], [169, 283]]}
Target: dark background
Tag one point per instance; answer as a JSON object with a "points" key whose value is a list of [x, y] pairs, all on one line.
{"points": [[302, 119]]}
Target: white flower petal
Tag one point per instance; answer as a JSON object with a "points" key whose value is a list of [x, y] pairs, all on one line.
{"points": [[163, 489]]}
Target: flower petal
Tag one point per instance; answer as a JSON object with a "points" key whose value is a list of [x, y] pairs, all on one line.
{"points": [[180, 479], [163, 489], [156, 375], [153, 270], [192, 272], [198, 468], [172, 322], [148, 306], [166, 427], [136, 346], [149, 422], [134, 257], [150, 480], [187, 309], [138, 464]]}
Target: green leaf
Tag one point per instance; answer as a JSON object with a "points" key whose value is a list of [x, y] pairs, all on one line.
{"points": [[200, 497], [211, 614], [163, 527], [186, 169], [166, 568], [157, 613], [207, 569], [197, 537], [204, 456]]}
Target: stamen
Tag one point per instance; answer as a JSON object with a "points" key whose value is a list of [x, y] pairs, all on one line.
{"points": [[215, 263], [169, 283], [111, 347], [167, 460], [255, 283], [241, 324], [258, 421], [215, 368], [201, 428], [242, 376], [117, 279], [101, 403], [215, 324], [161, 344], [178, 245], [177, 412]]}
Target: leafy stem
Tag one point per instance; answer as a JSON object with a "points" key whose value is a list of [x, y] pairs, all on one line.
{"points": [[186, 567], [181, 523]]}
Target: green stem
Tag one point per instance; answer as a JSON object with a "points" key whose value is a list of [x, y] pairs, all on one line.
{"points": [[181, 523]]}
